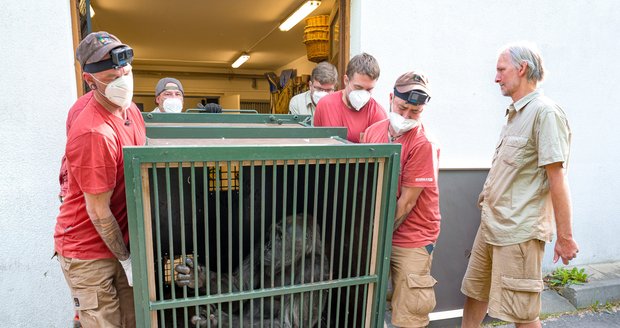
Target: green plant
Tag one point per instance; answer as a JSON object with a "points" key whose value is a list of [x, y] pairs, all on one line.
{"points": [[609, 306], [597, 306], [562, 277]]}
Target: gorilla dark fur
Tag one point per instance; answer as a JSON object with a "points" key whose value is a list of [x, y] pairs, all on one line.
{"points": [[291, 264]]}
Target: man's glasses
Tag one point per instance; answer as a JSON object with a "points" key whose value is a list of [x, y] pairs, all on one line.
{"points": [[319, 88]]}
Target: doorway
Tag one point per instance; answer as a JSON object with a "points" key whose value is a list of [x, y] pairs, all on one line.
{"points": [[197, 43]]}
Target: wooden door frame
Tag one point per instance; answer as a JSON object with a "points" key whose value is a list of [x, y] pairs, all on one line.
{"points": [[80, 27], [341, 13]]}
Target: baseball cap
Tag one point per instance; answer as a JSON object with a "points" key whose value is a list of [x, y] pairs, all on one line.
{"points": [[161, 85], [95, 46], [412, 81]]}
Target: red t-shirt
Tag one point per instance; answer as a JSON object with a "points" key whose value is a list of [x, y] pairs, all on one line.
{"points": [[75, 110], [94, 158], [332, 111], [418, 168]]}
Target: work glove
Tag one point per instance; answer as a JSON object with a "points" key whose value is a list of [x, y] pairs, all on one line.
{"points": [[127, 267], [185, 276]]}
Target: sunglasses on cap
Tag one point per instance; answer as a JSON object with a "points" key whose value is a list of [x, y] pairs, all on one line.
{"points": [[119, 57], [413, 97]]}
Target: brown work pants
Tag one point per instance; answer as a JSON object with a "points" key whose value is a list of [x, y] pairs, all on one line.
{"points": [[100, 292]]}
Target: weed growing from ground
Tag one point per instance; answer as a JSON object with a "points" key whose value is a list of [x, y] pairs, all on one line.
{"points": [[562, 277]]}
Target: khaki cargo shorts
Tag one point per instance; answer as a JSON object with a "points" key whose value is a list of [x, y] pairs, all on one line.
{"points": [[413, 297], [509, 278], [100, 292]]}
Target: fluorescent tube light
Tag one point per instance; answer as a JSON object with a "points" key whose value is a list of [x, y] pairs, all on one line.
{"points": [[242, 59], [299, 14]]}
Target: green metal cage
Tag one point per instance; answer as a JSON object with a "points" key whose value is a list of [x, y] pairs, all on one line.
{"points": [[291, 233], [236, 131], [188, 125], [225, 118]]}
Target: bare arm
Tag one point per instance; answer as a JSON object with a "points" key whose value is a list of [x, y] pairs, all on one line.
{"points": [[565, 246], [406, 202], [98, 208]]}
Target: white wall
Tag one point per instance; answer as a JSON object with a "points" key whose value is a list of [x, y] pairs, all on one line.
{"points": [[456, 43], [37, 79]]}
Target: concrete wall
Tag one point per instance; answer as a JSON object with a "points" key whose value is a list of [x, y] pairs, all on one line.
{"points": [[456, 43], [37, 80]]}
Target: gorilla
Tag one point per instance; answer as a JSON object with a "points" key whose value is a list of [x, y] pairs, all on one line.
{"points": [[281, 266]]}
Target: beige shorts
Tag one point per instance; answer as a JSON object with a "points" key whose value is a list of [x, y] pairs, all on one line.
{"points": [[413, 297], [100, 292], [509, 278]]}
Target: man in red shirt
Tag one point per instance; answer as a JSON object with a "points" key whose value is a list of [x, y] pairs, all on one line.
{"points": [[353, 107], [91, 236], [75, 110], [63, 177], [416, 224]]}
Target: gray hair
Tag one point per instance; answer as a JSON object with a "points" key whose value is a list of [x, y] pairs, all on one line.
{"points": [[325, 73], [526, 52]]}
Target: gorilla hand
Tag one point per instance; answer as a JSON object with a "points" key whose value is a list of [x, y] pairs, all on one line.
{"points": [[205, 318], [186, 277]]}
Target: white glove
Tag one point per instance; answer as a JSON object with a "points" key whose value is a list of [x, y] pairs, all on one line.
{"points": [[127, 267]]}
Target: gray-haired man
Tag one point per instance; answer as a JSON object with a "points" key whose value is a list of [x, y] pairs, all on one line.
{"points": [[525, 189]]}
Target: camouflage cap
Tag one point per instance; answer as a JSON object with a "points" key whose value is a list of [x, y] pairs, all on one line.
{"points": [[95, 47]]}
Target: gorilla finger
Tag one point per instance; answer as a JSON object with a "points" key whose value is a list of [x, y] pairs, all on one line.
{"points": [[184, 277], [183, 283], [182, 269], [199, 320]]}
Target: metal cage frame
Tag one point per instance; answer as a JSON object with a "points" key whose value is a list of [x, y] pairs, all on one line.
{"points": [[239, 132], [138, 161], [225, 118]]}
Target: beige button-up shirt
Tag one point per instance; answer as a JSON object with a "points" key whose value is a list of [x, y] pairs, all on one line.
{"points": [[301, 104], [515, 201]]}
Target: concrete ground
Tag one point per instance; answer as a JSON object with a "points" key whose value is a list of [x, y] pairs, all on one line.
{"points": [[601, 317], [593, 304]]}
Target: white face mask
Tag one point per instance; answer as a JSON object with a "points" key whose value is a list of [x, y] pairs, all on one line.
{"points": [[359, 98], [119, 91], [400, 124], [173, 105], [317, 95]]}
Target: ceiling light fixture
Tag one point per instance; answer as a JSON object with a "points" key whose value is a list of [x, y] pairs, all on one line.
{"points": [[242, 59], [299, 14]]}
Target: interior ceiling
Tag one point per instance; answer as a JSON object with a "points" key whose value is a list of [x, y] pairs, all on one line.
{"points": [[205, 35]]}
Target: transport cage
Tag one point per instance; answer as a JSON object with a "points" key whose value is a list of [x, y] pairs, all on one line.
{"points": [[240, 130], [164, 125], [219, 118], [281, 232]]}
